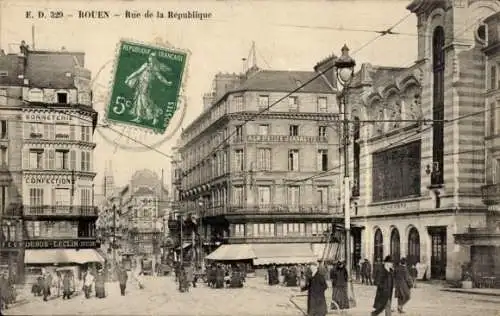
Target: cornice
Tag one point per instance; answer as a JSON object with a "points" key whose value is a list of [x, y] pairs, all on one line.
{"points": [[66, 142]]}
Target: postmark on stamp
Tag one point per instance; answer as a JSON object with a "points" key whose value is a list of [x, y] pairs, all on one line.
{"points": [[146, 85]]}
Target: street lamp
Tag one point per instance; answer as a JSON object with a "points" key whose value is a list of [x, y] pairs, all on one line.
{"points": [[345, 72]]}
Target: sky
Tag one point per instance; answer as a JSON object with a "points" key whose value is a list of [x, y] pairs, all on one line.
{"points": [[288, 35]]}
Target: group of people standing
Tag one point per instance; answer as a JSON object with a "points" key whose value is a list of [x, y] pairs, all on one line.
{"points": [[220, 276]]}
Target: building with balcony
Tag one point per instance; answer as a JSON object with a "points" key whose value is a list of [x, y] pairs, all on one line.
{"points": [[419, 155], [260, 186], [48, 115]]}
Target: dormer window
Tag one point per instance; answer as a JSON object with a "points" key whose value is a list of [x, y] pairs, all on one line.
{"points": [[62, 97]]}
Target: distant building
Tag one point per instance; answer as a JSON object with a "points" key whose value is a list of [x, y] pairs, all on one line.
{"points": [[47, 173], [259, 188]]}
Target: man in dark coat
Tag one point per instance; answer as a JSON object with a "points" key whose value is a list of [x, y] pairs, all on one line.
{"points": [[47, 283], [338, 275], [402, 284], [377, 269], [4, 292], [316, 287], [66, 283], [385, 288], [366, 273], [122, 279], [219, 277]]}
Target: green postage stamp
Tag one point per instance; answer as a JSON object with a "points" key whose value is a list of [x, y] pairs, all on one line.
{"points": [[146, 85]]}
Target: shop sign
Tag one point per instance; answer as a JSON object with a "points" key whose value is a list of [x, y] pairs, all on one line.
{"points": [[11, 244], [43, 117], [400, 206], [49, 179], [60, 243]]}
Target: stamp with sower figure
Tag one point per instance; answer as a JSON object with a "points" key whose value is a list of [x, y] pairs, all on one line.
{"points": [[146, 85]]}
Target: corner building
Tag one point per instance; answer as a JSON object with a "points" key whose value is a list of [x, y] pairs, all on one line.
{"points": [[421, 167], [51, 151], [258, 187]]}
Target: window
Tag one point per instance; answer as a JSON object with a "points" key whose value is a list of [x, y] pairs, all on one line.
{"points": [[62, 159], [3, 129], [357, 157], [294, 130], [263, 129], [36, 159], [294, 229], [86, 133], [239, 230], [293, 104], [238, 195], [62, 97], [264, 159], [86, 197], [493, 118], [293, 196], [263, 102], [3, 96], [378, 246], [322, 160], [322, 107], [322, 131], [493, 77], [3, 199], [239, 133], [238, 160], [62, 131], [36, 130], [264, 195], [62, 197], [85, 161], [36, 197], [72, 160], [238, 103], [396, 172], [293, 160], [263, 229], [322, 196], [3, 156], [438, 68]]}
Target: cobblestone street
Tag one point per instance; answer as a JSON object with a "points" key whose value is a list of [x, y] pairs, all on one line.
{"points": [[160, 297]]}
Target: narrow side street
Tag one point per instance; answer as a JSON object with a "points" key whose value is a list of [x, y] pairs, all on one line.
{"points": [[160, 297]]}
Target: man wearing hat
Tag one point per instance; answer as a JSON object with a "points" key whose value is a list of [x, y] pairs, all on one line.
{"points": [[316, 287], [385, 288]]}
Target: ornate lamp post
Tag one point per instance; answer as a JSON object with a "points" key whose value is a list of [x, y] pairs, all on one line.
{"points": [[345, 71]]}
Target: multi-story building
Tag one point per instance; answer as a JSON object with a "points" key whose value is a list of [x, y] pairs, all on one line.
{"points": [[419, 155], [260, 187], [50, 149]]}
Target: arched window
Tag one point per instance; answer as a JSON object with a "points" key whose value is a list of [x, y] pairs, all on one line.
{"points": [[413, 246], [395, 245], [378, 246], [438, 67], [357, 151]]}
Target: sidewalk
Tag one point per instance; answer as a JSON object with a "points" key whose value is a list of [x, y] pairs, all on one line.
{"points": [[487, 292]]}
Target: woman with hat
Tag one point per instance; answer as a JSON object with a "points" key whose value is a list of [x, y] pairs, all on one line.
{"points": [[100, 291], [385, 288], [338, 275]]}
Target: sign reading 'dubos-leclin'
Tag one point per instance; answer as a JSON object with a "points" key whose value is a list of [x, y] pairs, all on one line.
{"points": [[48, 244]]}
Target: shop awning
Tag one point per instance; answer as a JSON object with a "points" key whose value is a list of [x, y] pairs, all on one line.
{"points": [[284, 253], [44, 256], [232, 252]]}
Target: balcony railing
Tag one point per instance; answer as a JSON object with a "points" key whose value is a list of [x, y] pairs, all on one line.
{"points": [[60, 210], [286, 138], [491, 193], [276, 209]]}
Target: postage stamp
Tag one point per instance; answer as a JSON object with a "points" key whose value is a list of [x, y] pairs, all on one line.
{"points": [[146, 85]]}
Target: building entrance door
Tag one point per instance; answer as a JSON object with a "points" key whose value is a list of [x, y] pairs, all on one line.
{"points": [[438, 254]]}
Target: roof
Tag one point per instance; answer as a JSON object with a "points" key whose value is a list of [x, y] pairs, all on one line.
{"points": [[282, 80], [13, 65], [49, 69]]}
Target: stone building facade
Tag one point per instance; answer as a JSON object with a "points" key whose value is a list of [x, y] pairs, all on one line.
{"points": [[420, 149]]}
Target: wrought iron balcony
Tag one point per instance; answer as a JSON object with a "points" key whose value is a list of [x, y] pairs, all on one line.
{"points": [[61, 210], [286, 138], [274, 209], [491, 194]]}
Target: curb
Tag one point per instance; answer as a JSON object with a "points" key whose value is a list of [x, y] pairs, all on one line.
{"points": [[472, 292]]}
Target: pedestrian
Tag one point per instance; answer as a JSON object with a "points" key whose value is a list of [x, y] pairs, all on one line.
{"points": [[4, 292], [139, 277], [402, 285], [378, 266], [414, 274], [315, 287], [100, 291], [366, 272], [385, 288], [122, 280], [67, 286], [47, 283], [190, 276], [58, 283], [338, 275], [88, 281]]}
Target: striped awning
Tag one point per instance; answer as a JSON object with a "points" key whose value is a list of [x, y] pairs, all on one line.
{"points": [[283, 253], [232, 252], [44, 256]]}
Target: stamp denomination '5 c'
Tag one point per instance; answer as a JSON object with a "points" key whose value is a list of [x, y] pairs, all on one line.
{"points": [[146, 86]]}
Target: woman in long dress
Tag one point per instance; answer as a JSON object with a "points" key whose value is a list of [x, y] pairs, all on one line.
{"points": [[338, 275], [141, 81], [99, 285]]}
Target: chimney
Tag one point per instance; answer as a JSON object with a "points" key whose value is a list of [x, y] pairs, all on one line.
{"points": [[208, 99], [330, 74]]}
